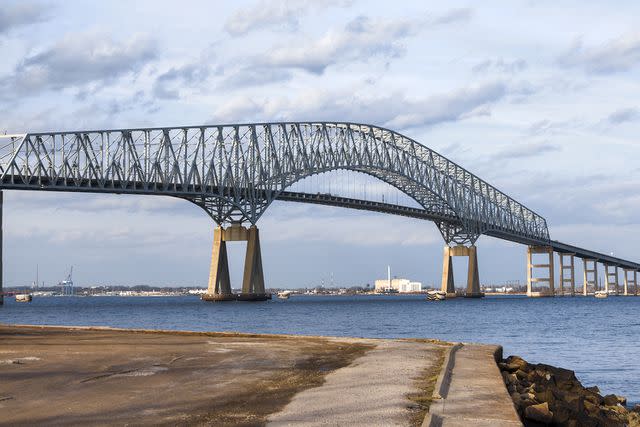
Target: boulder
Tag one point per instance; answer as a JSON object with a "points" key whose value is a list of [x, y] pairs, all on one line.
{"points": [[545, 396], [593, 389], [514, 363], [539, 413], [591, 408], [611, 400], [521, 375], [561, 415], [593, 397]]}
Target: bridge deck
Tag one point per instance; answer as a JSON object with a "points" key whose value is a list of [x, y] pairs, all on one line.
{"points": [[331, 200]]}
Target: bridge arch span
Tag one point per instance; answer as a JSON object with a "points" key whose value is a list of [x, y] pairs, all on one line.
{"points": [[236, 171]]}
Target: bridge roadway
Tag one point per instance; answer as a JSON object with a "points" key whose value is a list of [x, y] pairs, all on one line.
{"points": [[411, 212], [326, 199]]}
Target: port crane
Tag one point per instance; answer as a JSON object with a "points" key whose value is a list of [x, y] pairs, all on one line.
{"points": [[67, 284]]}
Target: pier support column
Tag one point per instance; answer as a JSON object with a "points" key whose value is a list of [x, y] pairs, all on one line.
{"points": [[594, 274], [569, 266], [219, 288], [473, 278], [253, 280], [611, 278], [633, 280], [531, 251], [448, 285]]}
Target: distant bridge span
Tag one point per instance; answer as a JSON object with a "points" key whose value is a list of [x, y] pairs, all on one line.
{"points": [[234, 172]]}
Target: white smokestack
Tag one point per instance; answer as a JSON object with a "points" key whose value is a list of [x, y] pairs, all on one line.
{"points": [[389, 275]]}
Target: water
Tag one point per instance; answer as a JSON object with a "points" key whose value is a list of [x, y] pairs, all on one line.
{"points": [[596, 338]]}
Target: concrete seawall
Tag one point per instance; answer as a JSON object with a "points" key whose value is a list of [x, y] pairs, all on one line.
{"points": [[67, 376]]}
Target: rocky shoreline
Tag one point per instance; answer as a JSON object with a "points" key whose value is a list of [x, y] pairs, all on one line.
{"points": [[547, 395]]}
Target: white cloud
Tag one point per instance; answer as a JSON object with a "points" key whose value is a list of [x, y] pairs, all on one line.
{"points": [[618, 55], [524, 150], [500, 65], [275, 14], [360, 40], [395, 110], [80, 59], [23, 13], [623, 115]]}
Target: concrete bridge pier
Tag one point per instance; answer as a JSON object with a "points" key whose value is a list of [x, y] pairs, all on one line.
{"points": [[219, 288], [473, 278], [593, 271], [253, 280], [549, 279], [611, 278], [570, 267], [633, 280]]}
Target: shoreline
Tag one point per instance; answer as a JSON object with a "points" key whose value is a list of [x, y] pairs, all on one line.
{"points": [[134, 364], [84, 374]]}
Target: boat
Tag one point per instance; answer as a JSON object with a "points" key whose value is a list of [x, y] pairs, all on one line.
{"points": [[436, 295], [23, 297], [601, 294], [284, 294]]}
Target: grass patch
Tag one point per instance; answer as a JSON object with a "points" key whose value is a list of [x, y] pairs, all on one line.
{"points": [[253, 406], [425, 385]]}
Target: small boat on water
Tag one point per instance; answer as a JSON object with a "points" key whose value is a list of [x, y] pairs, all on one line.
{"points": [[436, 295], [23, 297], [284, 294], [601, 294]]}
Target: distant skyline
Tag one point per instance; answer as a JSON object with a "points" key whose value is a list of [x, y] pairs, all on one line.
{"points": [[539, 98]]}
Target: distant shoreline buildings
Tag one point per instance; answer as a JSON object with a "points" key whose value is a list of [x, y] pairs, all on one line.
{"points": [[398, 285]]}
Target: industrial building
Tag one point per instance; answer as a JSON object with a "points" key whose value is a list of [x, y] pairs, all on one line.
{"points": [[397, 285]]}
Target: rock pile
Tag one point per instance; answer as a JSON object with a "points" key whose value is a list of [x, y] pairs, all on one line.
{"points": [[546, 395]]}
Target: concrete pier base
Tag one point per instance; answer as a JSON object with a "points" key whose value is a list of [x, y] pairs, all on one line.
{"points": [[219, 288], [590, 268], [630, 281], [567, 273], [549, 279], [611, 278], [473, 279]]}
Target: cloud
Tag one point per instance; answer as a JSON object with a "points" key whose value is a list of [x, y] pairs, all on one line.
{"points": [[394, 110], [254, 76], [359, 40], [524, 150], [500, 65], [20, 14], [549, 127], [623, 115], [275, 14], [167, 84], [77, 60], [453, 16], [457, 105], [619, 55]]}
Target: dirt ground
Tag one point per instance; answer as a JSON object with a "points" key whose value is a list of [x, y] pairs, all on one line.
{"points": [[68, 376]]}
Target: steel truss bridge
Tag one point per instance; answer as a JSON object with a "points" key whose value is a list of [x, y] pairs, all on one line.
{"points": [[235, 171]]}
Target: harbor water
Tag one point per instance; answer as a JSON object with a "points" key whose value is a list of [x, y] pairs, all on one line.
{"points": [[598, 339]]}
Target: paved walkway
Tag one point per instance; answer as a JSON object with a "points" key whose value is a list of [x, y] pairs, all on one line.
{"points": [[475, 394], [369, 392]]}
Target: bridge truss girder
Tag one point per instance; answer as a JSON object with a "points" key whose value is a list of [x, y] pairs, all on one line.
{"points": [[234, 172]]}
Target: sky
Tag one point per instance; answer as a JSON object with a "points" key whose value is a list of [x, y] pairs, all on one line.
{"points": [[539, 98]]}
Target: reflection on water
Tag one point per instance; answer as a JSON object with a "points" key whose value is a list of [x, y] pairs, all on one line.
{"points": [[596, 338]]}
